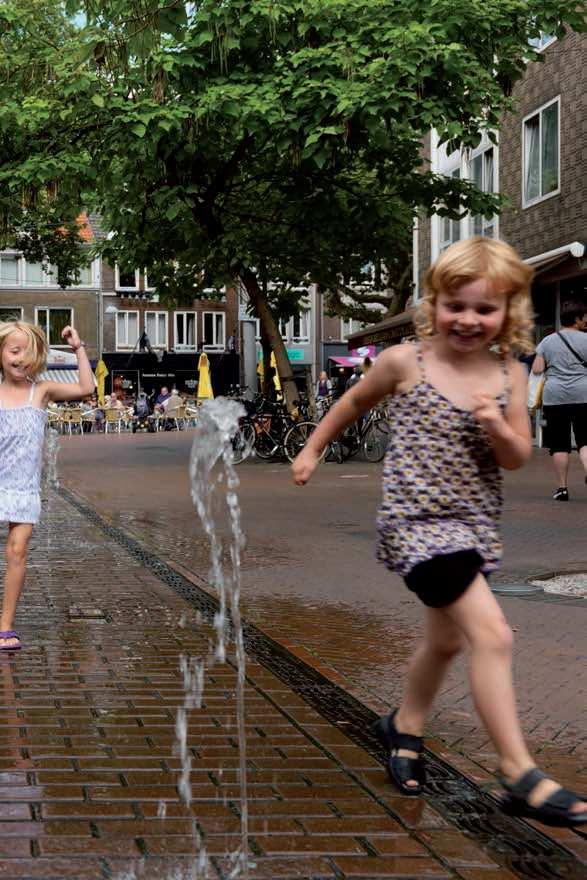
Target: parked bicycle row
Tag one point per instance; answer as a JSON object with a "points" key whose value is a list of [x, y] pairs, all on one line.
{"points": [[269, 431]]}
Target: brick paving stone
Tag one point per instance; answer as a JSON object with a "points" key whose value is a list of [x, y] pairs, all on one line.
{"points": [[389, 866], [92, 716]]}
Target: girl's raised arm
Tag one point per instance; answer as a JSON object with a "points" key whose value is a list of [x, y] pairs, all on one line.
{"points": [[77, 390]]}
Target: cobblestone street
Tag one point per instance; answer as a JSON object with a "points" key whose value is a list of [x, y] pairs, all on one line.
{"points": [[89, 763]]}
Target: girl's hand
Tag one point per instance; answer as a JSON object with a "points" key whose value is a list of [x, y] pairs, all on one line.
{"points": [[304, 465], [488, 413], [71, 336]]}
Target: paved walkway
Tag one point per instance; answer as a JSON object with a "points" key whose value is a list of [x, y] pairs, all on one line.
{"points": [[89, 764], [311, 582]]}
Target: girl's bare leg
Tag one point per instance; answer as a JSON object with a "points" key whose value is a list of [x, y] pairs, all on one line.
{"points": [[480, 618], [17, 544], [443, 640]]}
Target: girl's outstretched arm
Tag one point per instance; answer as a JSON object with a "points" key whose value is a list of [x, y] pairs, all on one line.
{"points": [[509, 431], [74, 390], [373, 387]]}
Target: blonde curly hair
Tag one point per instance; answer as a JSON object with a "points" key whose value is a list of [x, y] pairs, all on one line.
{"points": [[506, 273], [37, 347]]}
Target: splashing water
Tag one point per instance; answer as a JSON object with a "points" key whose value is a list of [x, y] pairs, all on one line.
{"points": [[212, 449]]}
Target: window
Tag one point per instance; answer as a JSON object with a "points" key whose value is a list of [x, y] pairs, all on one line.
{"points": [[85, 276], [9, 269], [482, 172], [185, 331], [127, 329], [541, 154], [300, 331], [156, 328], [52, 322], [450, 230], [541, 42], [214, 330], [127, 279], [34, 274], [284, 329], [10, 313], [348, 326]]}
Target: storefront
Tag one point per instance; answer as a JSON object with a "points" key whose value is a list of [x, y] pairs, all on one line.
{"points": [[134, 372]]}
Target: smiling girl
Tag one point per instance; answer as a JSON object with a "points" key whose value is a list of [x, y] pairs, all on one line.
{"points": [[458, 406], [23, 402]]}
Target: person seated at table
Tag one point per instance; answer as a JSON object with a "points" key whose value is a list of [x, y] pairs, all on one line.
{"points": [[141, 414], [162, 399], [116, 403], [172, 410]]}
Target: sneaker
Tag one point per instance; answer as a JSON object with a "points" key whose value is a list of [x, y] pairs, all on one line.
{"points": [[561, 494]]}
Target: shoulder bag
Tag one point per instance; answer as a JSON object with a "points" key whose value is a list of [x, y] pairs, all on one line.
{"points": [[572, 350]]}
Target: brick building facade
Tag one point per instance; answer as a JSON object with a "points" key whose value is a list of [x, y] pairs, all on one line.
{"points": [[540, 166]]}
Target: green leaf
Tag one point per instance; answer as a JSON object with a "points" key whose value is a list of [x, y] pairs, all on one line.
{"points": [[98, 100], [139, 129]]}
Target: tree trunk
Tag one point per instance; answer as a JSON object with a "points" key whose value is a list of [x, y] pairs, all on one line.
{"points": [[271, 330]]}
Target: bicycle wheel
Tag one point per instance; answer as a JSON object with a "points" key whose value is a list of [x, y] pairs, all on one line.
{"points": [[243, 442], [376, 440], [297, 437]]}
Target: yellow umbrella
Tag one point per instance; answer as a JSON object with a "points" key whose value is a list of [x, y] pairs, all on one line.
{"points": [[276, 379], [204, 384], [101, 373], [261, 371]]}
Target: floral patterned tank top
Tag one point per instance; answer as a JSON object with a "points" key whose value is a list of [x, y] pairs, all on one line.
{"points": [[441, 482]]}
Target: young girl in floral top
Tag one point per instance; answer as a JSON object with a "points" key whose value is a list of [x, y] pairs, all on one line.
{"points": [[458, 407]]}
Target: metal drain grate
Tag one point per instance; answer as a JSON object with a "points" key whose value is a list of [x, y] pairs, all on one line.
{"points": [[87, 614], [512, 843]]}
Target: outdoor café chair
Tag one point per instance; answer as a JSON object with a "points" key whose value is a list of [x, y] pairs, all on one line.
{"points": [[113, 420], [72, 420]]}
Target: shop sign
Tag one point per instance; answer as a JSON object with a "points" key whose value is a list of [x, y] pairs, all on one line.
{"points": [[295, 354]]}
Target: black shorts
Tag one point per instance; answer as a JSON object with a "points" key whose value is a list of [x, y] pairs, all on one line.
{"points": [[442, 580], [559, 420]]}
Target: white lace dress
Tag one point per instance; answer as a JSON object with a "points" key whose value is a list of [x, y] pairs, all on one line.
{"points": [[22, 433]]}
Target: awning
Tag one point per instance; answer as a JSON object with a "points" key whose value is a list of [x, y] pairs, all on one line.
{"points": [[343, 361], [59, 376], [549, 259]]}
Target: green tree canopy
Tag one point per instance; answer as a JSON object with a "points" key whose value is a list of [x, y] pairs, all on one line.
{"points": [[253, 139]]}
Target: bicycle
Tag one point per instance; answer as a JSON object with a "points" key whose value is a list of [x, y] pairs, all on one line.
{"points": [[371, 436], [269, 433]]}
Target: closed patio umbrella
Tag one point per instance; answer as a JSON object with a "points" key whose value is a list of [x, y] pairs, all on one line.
{"points": [[101, 373], [204, 384]]}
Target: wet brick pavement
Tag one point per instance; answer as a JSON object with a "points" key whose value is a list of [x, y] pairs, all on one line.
{"points": [[88, 759], [310, 581]]}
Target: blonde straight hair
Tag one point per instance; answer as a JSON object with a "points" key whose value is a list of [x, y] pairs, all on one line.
{"points": [[36, 350], [498, 263]]}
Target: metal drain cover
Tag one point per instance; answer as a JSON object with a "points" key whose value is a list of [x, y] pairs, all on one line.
{"points": [[572, 584]]}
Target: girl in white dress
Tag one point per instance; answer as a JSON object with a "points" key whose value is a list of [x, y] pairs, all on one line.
{"points": [[23, 417]]}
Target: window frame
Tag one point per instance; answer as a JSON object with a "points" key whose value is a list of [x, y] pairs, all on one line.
{"points": [[46, 327], [214, 346], [493, 223], [529, 203], [126, 346], [117, 285], [304, 315], [540, 46], [178, 346], [17, 257], [157, 312]]}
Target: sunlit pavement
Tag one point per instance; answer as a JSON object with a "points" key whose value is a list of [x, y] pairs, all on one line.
{"points": [[311, 582]]}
